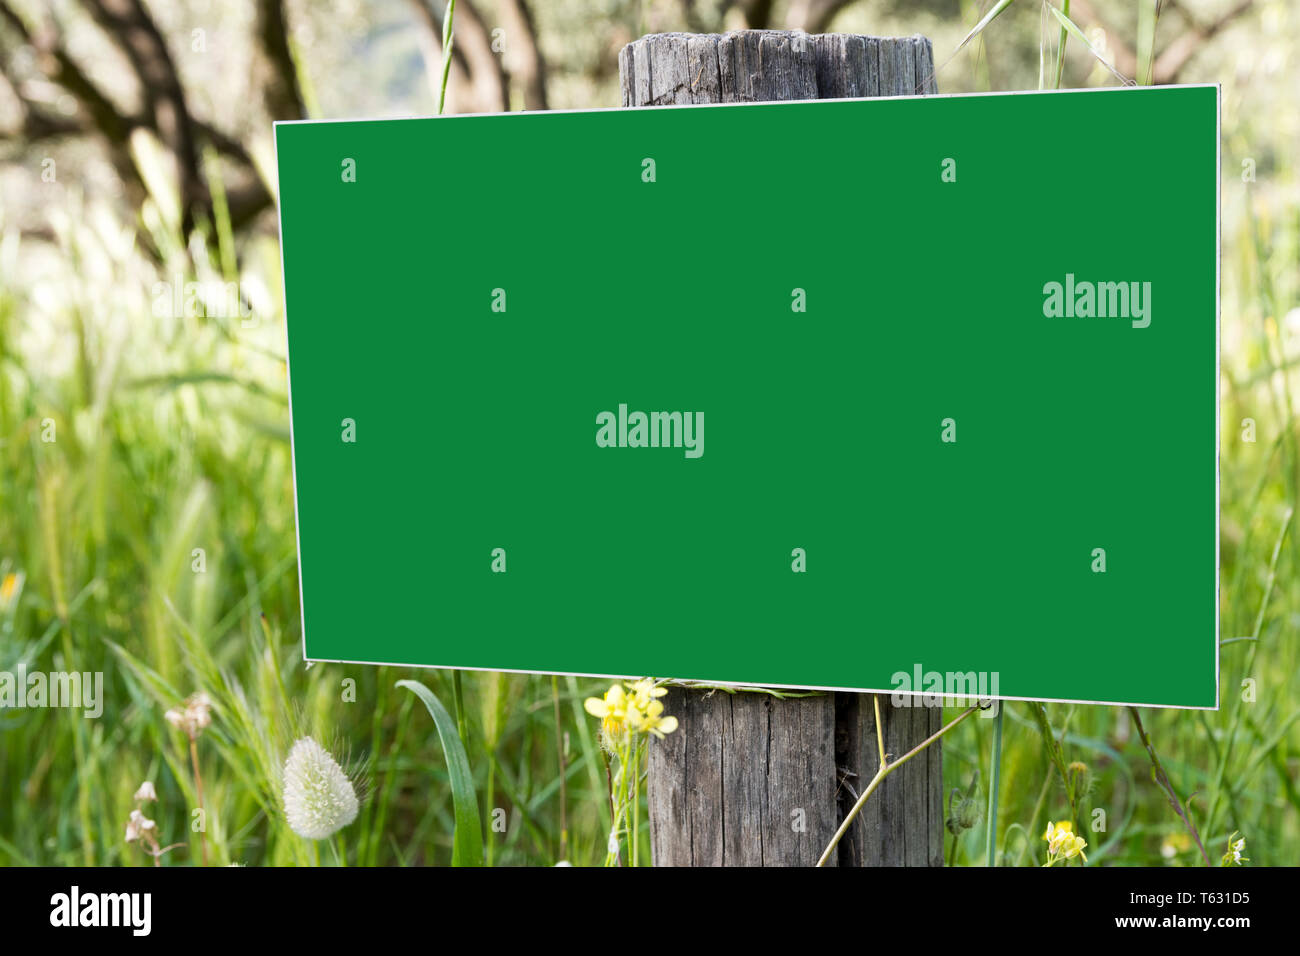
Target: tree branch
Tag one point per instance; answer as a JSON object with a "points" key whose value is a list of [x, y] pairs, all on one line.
{"points": [[130, 26], [813, 16], [1173, 59], [284, 99], [524, 54], [1162, 780], [758, 13]]}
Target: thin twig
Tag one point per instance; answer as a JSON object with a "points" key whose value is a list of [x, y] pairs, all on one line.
{"points": [[1162, 779], [885, 770], [1057, 758]]}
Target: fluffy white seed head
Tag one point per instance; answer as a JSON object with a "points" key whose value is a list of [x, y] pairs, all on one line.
{"points": [[319, 800]]}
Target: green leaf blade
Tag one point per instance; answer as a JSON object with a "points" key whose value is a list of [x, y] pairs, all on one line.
{"points": [[467, 841]]}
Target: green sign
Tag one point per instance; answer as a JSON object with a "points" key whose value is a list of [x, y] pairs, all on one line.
{"points": [[914, 394]]}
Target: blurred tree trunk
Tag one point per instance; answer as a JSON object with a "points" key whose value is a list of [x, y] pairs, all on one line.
{"points": [[524, 53]]}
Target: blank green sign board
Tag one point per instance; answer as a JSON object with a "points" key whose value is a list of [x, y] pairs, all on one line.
{"points": [[816, 299]]}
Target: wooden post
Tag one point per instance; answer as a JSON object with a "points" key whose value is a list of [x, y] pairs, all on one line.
{"points": [[749, 779]]}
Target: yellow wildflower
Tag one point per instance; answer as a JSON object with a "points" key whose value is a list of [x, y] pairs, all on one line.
{"points": [[644, 692], [611, 709], [651, 720], [1062, 843], [632, 707], [8, 589]]}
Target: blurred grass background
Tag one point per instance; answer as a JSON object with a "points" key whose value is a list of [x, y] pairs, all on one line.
{"points": [[123, 167]]}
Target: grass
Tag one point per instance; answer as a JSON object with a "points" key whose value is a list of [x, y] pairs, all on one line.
{"points": [[170, 435], [152, 540]]}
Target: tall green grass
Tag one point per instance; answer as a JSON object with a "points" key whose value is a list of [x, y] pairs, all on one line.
{"points": [[170, 435]]}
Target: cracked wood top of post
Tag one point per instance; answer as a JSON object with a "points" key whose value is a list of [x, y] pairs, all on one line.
{"points": [[747, 66]]}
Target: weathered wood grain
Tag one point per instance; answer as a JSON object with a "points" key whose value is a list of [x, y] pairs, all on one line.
{"points": [[902, 823], [750, 780], [666, 69]]}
